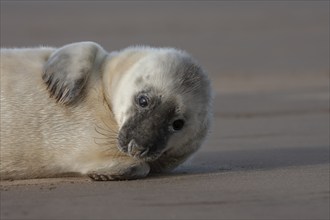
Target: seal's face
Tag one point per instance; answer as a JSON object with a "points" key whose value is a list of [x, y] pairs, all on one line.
{"points": [[165, 106], [152, 122]]}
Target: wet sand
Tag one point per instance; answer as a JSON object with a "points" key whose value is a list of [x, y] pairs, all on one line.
{"points": [[267, 156]]}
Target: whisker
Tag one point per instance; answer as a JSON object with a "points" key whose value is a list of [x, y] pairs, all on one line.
{"points": [[104, 142], [110, 127], [105, 132]]}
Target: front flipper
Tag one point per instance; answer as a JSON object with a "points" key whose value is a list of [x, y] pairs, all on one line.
{"points": [[68, 69], [121, 171]]}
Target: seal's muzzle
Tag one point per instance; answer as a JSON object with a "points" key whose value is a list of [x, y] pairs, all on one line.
{"points": [[146, 133]]}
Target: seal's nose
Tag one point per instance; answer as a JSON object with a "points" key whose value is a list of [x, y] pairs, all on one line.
{"points": [[136, 150]]}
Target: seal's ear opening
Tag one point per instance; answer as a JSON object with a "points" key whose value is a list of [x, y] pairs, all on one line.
{"points": [[67, 71]]}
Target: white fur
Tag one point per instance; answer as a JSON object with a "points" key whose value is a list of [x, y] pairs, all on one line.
{"points": [[43, 138]]}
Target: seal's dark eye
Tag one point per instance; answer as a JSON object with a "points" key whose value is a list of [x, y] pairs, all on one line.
{"points": [[178, 124], [143, 101]]}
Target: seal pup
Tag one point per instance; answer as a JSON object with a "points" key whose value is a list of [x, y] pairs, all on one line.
{"points": [[79, 110]]}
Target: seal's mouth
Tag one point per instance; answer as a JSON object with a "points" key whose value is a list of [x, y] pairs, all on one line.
{"points": [[138, 151]]}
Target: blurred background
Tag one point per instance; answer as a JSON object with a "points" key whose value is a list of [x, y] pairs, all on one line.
{"points": [[227, 37]]}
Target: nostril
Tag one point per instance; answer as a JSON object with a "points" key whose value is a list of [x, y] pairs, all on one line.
{"points": [[131, 146], [134, 148], [144, 153], [132, 143]]}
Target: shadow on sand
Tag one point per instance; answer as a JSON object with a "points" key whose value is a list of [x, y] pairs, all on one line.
{"points": [[257, 159]]}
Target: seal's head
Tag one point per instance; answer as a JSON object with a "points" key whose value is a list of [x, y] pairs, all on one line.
{"points": [[161, 101]]}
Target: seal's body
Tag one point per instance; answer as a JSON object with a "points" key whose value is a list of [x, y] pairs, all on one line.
{"points": [[78, 109]]}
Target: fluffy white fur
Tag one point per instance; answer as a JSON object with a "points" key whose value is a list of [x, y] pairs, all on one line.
{"points": [[62, 109]]}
